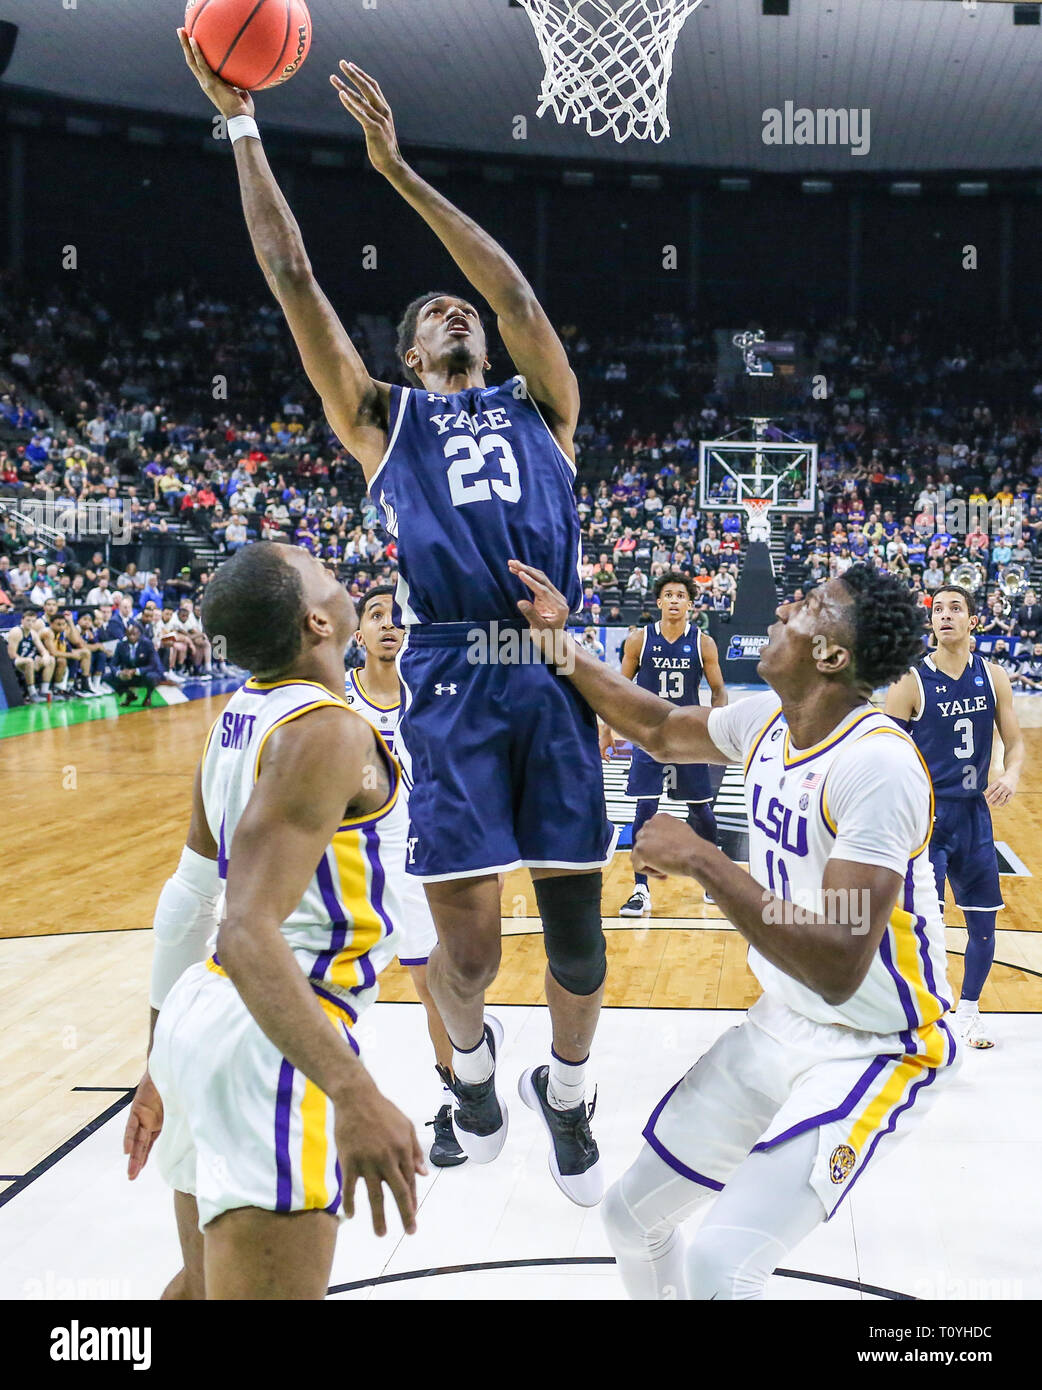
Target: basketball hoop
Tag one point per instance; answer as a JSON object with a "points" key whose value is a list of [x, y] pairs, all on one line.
{"points": [[608, 62], [757, 509]]}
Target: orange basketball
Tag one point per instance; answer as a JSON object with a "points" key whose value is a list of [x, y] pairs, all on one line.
{"points": [[251, 43]]}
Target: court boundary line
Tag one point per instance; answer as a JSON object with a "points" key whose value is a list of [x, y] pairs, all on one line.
{"points": [[572, 1260], [56, 1155]]}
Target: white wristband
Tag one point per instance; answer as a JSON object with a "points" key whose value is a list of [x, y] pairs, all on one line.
{"points": [[241, 128]]}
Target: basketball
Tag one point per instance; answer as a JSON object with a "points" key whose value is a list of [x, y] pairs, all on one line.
{"points": [[251, 43]]}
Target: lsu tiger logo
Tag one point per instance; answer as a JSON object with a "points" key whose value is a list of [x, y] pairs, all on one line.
{"points": [[841, 1163]]}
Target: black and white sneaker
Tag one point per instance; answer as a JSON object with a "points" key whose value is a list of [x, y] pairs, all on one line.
{"points": [[575, 1160], [479, 1117], [445, 1151], [639, 905]]}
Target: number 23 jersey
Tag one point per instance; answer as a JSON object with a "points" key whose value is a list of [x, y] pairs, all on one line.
{"points": [[468, 482], [862, 794]]}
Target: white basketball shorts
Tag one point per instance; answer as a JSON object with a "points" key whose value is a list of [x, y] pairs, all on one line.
{"points": [[779, 1074], [241, 1126]]}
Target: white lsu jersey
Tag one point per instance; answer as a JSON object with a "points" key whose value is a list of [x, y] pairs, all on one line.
{"points": [[384, 718], [346, 927], [418, 932], [862, 794]]}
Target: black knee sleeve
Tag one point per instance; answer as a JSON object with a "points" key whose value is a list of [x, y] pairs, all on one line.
{"points": [[570, 907], [701, 819]]}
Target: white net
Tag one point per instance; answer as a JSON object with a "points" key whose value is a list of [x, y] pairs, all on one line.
{"points": [[608, 62], [758, 514]]}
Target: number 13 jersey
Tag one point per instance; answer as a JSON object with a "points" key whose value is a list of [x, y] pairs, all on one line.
{"points": [[468, 482]]}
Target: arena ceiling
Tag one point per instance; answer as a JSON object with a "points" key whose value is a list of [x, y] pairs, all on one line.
{"points": [[948, 84]]}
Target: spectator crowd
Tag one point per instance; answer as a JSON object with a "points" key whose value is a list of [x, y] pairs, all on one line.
{"points": [[190, 425]]}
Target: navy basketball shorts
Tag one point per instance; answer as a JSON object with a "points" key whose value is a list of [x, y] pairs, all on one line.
{"points": [[962, 849], [681, 781], [500, 756]]}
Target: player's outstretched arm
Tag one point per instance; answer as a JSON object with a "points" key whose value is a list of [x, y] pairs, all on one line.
{"points": [[528, 334], [311, 771], [1004, 788], [668, 733], [355, 405]]}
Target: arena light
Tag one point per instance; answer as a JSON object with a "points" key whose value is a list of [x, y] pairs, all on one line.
{"points": [[497, 173], [577, 178], [646, 183], [735, 185], [907, 188], [145, 135], [816, 185], [972, 190]]}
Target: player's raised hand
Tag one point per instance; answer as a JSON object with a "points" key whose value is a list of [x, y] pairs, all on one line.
{"points": [[664, 846], [378, 1144], [230, 101], [143, 1125], [370, 108]]}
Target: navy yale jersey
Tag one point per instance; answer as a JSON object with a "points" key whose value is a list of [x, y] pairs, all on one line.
{"points": [[671, 670], [470, 481], [955, 725]]}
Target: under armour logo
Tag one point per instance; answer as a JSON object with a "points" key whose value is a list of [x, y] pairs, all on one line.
{"points": [[412, 849], [941, 689], [440, 689]]}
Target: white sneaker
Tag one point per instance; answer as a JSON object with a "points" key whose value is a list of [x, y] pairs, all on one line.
{"points": [[707, 898], [974, 1031], [639, 905]]}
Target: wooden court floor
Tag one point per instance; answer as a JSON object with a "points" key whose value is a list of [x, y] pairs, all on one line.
{"points": [[95, 818]]}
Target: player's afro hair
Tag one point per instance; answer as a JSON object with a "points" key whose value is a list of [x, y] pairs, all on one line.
{"points": [[888, 626], [377, 591], [255, 603], [407, 329], [675, 577]]}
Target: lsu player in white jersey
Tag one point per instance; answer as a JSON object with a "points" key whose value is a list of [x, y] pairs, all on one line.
{"points": [[375, 692], [254, 1089], [848, 1045]]}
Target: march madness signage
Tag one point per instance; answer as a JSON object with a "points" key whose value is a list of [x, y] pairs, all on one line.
{"points": [[746, 648]]}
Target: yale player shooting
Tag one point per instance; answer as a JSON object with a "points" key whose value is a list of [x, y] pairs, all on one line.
{"points": [[848, 1044], [669, 658], [951, 702], [265, 1116], [500, 754], [375, 692]]}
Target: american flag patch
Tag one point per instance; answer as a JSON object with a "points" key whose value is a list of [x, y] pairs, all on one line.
{"points": [[811, 780]]}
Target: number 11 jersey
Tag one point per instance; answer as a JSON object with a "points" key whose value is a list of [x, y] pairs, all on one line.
{"points": [[468, 482]]}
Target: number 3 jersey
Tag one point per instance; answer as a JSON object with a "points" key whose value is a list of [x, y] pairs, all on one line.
{"points": [[470, 481], [862, 794], [954, 726]]}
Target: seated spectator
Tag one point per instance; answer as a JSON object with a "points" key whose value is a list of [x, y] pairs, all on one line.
{"points": [[1029, 675], [90, 637], [199, 652], [1029, 616], [135, 662], [31, 658], [637, 583], [173, 641]]}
